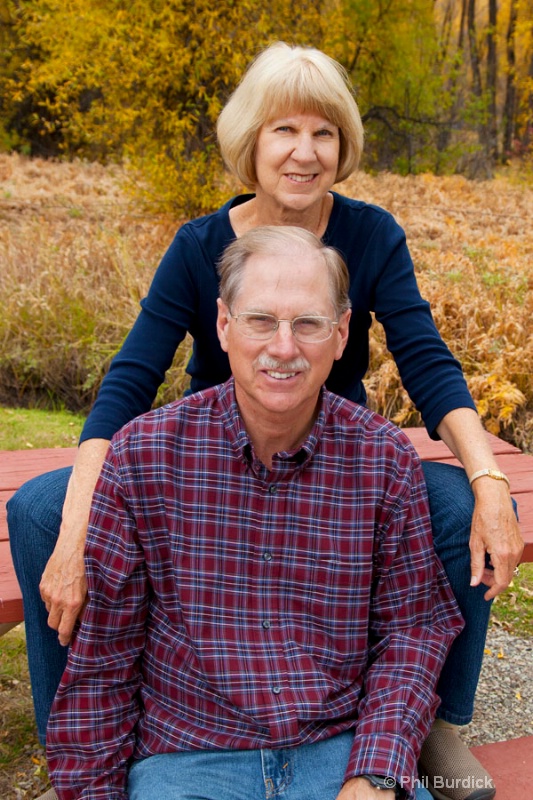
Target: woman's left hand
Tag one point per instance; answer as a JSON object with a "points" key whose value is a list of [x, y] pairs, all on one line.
{"points": [[494, 532], [494, 528]]}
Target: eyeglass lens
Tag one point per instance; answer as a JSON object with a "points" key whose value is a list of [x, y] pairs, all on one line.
{"points": [[305, 329]]}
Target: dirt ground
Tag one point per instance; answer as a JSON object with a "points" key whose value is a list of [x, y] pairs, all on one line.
{"points": [[23, 774]]}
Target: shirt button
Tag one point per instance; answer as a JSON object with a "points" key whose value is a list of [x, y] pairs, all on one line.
{"points": [[267, 556], [276, 689], [272, 489], [266, 624]]}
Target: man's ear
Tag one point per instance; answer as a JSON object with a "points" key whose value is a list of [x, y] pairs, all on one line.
{"points": [[223, 319], [342, 333]]}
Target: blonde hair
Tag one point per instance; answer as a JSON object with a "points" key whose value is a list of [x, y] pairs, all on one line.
{"points": [[284, 79], [272, 240]]}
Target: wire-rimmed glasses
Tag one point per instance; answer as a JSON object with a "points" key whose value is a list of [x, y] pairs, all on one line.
{"points": [[306, 328]]}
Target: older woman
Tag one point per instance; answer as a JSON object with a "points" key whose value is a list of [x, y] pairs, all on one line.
{"points": [[289, 132]]}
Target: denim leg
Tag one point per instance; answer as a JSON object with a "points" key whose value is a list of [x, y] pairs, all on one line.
{"points": [[34, 517], [306, 772], [452, 504]]}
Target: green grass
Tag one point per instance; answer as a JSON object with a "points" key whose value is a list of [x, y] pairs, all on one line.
{"points": [[514, 608], [23, 429]]}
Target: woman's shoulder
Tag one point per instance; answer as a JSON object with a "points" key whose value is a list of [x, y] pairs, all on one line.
{"points": [[221, 215], [359, 208], [215, 219], [209, 234], [351, 218]]}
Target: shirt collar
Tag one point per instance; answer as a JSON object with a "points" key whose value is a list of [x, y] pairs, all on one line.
{"points": [[238, 436]]}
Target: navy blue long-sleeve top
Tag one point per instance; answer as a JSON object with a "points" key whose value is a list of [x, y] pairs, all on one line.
{"points": [[183, 293]]}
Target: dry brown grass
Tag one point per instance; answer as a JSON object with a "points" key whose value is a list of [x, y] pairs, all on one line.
{"points": [[23, 772], [77, 258], [473, 251]]}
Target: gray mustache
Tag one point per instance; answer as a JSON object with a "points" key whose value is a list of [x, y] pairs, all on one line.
{"points": [[296, 365]]}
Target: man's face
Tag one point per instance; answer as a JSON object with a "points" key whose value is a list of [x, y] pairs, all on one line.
{"points": [[281, 375]]}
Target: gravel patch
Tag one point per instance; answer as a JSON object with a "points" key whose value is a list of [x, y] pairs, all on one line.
{"points": [[504, 698]]}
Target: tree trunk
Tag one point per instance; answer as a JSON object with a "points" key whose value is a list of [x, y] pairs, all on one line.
{"points": [[528, 128], [445, 132], [477, 165], [477, 86], [492, 71], [509, 109]]}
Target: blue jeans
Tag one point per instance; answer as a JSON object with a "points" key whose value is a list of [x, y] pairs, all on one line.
{"points": [[309, 772], [34, 515]]}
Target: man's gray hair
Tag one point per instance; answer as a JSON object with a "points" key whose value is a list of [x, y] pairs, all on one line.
{"points": [[272, 240]]}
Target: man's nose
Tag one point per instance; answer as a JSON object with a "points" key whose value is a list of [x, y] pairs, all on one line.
{"points": [[283, 341]]}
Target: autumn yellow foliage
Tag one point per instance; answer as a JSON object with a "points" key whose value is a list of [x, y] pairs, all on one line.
{"points": [[143, 82], [77, 257]]}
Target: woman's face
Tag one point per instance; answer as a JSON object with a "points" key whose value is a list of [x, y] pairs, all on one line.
{"points": [[296, 160]]}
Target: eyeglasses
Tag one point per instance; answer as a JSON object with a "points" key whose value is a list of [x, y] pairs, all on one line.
{"points": [[305, 329]]}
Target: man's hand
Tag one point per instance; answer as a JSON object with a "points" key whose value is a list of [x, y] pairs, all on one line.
{"points": [[361, 789], [494, 531]]}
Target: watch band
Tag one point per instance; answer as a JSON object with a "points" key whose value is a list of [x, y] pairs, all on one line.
{"points": [[495, 474], [383, 782]]}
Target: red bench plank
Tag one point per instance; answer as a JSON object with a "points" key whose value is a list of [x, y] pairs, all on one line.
{"points": [[10, 597], [4, 497], [511, 460], [511, 766], [430, 450], [525, 516], [18, 466]]}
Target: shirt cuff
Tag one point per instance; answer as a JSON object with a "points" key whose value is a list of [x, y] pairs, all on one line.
{"points": [[387, 755]]}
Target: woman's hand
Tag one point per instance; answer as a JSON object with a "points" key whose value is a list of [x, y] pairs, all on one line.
{"points": [[495, 528], [494, 531], [63, 585]]}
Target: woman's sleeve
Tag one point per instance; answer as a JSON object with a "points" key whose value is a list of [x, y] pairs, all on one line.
{"points": [[139, 368], [431, 375]]}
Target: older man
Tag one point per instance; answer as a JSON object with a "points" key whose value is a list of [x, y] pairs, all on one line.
{"points": [[266, 615]]}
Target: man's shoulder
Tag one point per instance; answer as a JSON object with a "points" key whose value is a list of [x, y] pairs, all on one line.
{"points": [[360, 423], [191, 411]]}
